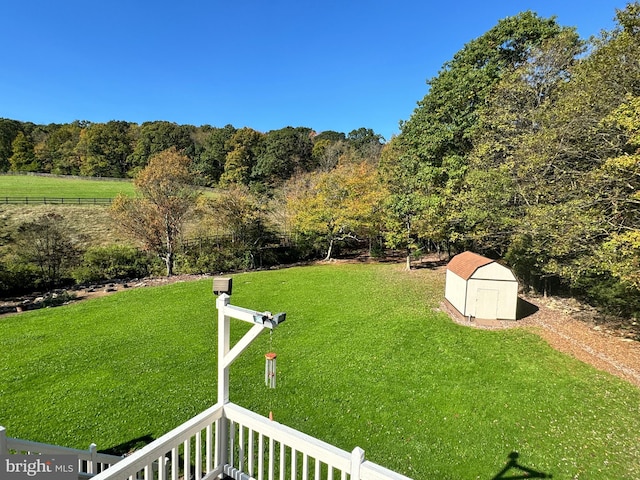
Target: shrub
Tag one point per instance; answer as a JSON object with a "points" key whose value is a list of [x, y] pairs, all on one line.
{"points": [[50, 244], [114, 261], [213, 259], [17, 277]]}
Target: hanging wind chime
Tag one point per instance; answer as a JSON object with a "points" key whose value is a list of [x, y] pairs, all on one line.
{"points": [[270, 370]]}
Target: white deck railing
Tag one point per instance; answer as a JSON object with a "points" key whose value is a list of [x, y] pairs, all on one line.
{"points": [[252, 447], [90, 462]]}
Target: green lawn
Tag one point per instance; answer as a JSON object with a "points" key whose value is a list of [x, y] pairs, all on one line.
{"points": [[61, 187], [363, 359]]}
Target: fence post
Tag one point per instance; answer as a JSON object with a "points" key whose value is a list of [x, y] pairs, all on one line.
{"points": [[4, 448], [357, 458]]}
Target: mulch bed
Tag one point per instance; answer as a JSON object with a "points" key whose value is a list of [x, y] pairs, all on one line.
{"points": [[606, 344]]}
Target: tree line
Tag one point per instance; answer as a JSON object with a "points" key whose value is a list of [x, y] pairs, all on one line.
{"points": [[219, 156], [525, 147]]}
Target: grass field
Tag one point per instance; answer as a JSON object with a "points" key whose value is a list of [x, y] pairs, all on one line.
{"points": [[363, 359], [61, 187], [92, 221]]}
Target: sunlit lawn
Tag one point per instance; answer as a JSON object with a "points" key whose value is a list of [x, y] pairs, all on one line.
{"points": [[363, 359], [61, 187]]}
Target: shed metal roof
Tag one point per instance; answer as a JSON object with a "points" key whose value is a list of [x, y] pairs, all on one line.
{"points": [[466, 263]]}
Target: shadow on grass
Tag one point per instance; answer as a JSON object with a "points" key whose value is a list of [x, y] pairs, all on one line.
{"points": [[130, 446], [514, 471], [430, 263], [525, 309]]}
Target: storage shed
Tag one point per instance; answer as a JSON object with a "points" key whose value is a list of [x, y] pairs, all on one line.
{"points": [[479, 287]]}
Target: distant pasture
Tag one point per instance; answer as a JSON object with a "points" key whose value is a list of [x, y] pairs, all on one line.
{"points": [[62, 187]]}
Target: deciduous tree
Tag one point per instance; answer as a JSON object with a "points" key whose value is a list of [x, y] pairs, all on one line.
{"points": [[23, 158], [212, 149], [8, 131], [48, 243], [434, 144], [167, 196], [243, 149], [57, 153], [242, 215], [284, 152], [506, 172], [341, 204], [104, 149], [154, 137]]}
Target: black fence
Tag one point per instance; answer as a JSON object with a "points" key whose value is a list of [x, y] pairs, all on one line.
{"points": [[54, 201], [224, 240]]}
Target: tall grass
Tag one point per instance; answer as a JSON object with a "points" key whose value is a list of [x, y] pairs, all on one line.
{"points": [[94, 223], [364, 359]]}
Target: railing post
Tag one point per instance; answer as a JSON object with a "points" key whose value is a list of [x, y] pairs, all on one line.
{"points": [[357, 459], [224, 325], [4, 448], [93, 451], [223, 348]]}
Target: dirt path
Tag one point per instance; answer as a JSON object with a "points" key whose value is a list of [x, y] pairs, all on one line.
{"points": [[587, 342]]}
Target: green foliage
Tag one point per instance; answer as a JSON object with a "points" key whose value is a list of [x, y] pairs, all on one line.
{"points": [[8, 131], [363, 359], [104, 149], [526, 148], [366, 143], [16, 276], [24, 157], [284, 152], [167, 196], [243, 147], [344, 203], [241, 215], [411, 207], [426, 167], [213, 148], [330, 135], [48, 245], [57, 153], [442, 123], [112, 262], [327, 153], [218, 255], [155, 137]]}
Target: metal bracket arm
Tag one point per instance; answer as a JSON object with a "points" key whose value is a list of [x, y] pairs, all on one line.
{"points": [[260, 321], [266, 319]]}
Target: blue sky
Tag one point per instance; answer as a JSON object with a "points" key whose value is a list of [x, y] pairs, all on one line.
{"points": [[261, 64]]}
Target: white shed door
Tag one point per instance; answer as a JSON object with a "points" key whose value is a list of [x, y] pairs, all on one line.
{"points": [[487, 303]]}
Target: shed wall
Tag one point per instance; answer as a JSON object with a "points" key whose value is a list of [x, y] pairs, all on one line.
{"points": [[455, 291], [494, 271], [478, 292]]}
